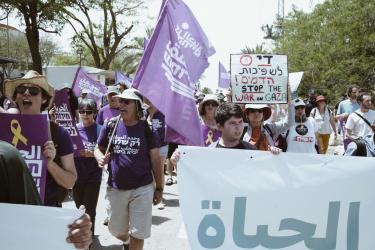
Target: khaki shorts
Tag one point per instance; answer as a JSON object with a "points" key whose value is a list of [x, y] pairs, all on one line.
{"points": [[130, 212]]}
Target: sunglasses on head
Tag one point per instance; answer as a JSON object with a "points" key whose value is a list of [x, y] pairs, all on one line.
{"points": [[255, 111], [87, 112], [125, 101], [32, 90], [212, 103]]}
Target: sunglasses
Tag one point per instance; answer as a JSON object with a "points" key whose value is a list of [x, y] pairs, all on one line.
{"points": [[299, 107], [212, 103], [125, 101], [32, 90], [252, 111], [87, 112]]}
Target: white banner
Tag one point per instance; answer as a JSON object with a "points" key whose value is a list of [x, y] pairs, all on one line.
{"points": [[259, 78], [35, 227], [295, 80], [240, 199]]}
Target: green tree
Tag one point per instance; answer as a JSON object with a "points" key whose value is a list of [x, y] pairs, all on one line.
{"points": [[36, 15], [105, 35], [259, 49], [334, 45], [206, 91]]}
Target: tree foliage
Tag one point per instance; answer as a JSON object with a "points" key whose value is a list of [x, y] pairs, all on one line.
{"points": [[103, 26], [36, 15], [334, 45]]}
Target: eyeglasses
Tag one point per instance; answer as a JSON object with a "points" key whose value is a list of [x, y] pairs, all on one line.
{"points": [[32, 90], [87, 112], [212, 103], [125, 101], [250, 110]]}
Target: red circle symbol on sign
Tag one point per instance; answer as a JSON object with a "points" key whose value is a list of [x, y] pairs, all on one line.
{"points": [[246, 60]]}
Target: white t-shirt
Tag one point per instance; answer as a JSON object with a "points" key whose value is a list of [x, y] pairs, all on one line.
{"points": [[358, 126], [322, 121], [301, 137]]}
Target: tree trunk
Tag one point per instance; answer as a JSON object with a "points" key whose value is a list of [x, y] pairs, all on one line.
{"points": [[32, 35]]}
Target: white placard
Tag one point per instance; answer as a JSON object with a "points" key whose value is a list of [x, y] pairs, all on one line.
{"points": [[259, 78], [295, 80], [35, 227], [241, 199]]}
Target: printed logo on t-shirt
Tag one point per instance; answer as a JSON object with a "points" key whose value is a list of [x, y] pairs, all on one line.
{"points": [[90, 146], [301, 129], [156, 124], [126, 145]]}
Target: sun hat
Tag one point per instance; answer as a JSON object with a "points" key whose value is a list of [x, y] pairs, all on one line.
{"points": [[85, 91], [113, 89], [267, 112], [298, 102], [208, 97], [31, 77], [131, 95]]}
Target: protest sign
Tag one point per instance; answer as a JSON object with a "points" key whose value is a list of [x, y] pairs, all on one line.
{"points": [[259, 78], [83, 81], [35, 227], [287, 201], [28, 133], [295, 80], [224, 77], [173, 61], [64, 118]]}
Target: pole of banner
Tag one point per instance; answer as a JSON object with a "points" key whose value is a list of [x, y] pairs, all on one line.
{"points": [[113, 133]]}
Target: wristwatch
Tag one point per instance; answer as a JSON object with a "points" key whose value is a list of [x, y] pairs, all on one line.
{"points": [[159, 190]]}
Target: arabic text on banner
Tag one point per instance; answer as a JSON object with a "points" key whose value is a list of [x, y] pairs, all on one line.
{"points": [[259, 78], [289, 201]]}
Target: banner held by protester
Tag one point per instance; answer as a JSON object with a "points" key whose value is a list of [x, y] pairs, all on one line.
{"points": [[173, 61], [287, 201], [82, 81], [259, 78], [28, 133], [64, 118]]}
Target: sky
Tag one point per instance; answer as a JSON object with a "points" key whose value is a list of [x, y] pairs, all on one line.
{"points": [[229, 25]]}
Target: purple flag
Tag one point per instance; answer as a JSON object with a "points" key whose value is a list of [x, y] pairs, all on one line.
{"points": [[224, 77], [28, 133], [63, 117], [119, 77], [145, 43], [174, 60], [83, 81]]}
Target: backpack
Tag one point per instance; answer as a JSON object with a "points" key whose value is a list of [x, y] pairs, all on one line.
{"points": [[314, 112], [361, 147]]}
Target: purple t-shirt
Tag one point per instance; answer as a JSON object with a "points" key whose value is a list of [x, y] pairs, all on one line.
{"points": [[130, 164], [106, 113], [64, 146], [209, 135], [87, 168], [158, 126]]}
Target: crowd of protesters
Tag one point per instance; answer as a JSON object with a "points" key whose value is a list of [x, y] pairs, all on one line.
{"points": [[126, 138]]}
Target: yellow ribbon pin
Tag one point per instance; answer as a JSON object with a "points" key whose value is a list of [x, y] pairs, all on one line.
{"points": [[210, 136], [16, 131]]}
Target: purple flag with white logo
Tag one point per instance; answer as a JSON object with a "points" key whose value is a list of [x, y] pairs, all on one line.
{"points": [[174, 60], [119, 77], [82, 81], [224, 77], [28, 133], [63, 117]]}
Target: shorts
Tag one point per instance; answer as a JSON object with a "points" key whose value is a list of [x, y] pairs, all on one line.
{"points": [[163, 151], [130, 212]]}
